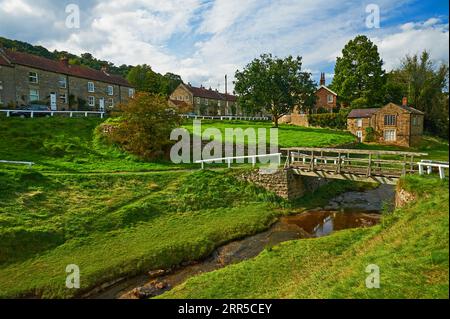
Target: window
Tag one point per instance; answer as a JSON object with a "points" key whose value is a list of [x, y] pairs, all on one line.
{"points": [[1, 100], [390, 135], [63, 82], [1, 85], [111, 102], [359, 135], [359, 122], [110, 90], [206, 102], [91, 87], [34, 95], [63, 98], [415, 120], [198, 100], [330, 98], [91, 100], [130, 92], [390, 120], [219, 103], [33, 77]]}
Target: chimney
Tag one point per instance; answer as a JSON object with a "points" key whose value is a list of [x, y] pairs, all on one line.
{"points": [[104, 69], [322, 78], [65, 61], [405, 101]]}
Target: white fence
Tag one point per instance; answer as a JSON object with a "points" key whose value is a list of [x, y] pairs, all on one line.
{"points": [[229, 160], [429, 166], [227, 117], [30, 164], [52, 113]]}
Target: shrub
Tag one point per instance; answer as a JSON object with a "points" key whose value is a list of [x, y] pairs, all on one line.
{"points": [[144, 125], [370, 135], [330, 120]]}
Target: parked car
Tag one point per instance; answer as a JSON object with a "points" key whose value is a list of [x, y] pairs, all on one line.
{"points": [[40, 108]]}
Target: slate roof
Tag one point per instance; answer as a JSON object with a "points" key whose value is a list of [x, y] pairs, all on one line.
{"points": [[362, 113], [210, 94], [45, 64]]}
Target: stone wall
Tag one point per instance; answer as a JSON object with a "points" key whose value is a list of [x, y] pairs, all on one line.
{"points": [[403, 197], [284, 183]]}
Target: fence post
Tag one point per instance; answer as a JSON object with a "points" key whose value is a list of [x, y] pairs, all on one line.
{"points": [[7, 114], [253, 161], [32, 114], [229, 163], [441, 172], [420, 169]]}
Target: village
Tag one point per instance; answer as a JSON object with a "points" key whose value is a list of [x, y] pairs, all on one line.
{"points": [[164, 161]]}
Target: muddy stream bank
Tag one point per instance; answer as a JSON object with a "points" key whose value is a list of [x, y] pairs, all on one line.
{"points": [[348, 210]]}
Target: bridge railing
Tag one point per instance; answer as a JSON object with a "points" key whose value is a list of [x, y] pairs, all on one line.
{"points": [[231, 159], [30, 164], [10, 113], [429, 165], [353, 161]]}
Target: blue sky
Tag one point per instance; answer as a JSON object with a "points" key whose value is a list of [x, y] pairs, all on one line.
{"points": [[204, 40]]}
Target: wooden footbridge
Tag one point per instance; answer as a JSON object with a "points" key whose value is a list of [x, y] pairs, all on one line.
{"points": [[353, 164]]}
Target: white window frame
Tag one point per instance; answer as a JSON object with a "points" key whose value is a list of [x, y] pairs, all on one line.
{"points": [[330, 100], [37, 96], [63, 98], [110, 90], [359, 134], [198, 100], [63, 82], [391, 137], [33, 77], [206, 102], [130, 92], [111, 102], [91, 87], [219, 103], [390, 120], [359, 122], [415, 121], [91, 99]]}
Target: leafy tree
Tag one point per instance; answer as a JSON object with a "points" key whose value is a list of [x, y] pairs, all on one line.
{"points": [[274, 85], [424, 83], [144, 126], [146, 80], [359, 73]]}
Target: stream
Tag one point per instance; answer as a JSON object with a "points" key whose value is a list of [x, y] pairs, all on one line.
{"points": [[348, 210]]}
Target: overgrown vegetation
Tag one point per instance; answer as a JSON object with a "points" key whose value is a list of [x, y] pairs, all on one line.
{"points": [[411, 248], [329, 120]]}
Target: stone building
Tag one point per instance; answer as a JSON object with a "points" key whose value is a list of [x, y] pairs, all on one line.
{"points": [[26, 79], [392, 124], [204, 101]]}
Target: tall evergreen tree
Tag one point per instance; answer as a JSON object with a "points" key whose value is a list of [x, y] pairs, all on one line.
{"points": [[359, 76]]}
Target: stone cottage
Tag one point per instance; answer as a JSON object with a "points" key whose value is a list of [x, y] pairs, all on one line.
{"points": [[392, 124], [26, 79]]}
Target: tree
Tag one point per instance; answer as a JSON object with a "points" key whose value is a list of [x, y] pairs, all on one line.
{"points": [[424, 84], [274, 85], [359, 73], [145, 79], [144, 126]]}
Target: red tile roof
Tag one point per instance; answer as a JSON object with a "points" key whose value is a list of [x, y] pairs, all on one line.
{"points": [[362, 113], [178, 103], [210, 94], [45, 64]]}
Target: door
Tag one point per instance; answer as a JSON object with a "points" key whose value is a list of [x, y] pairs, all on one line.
{"points": [[390, 135], [53, 105], [359, 135], [101, 103]]}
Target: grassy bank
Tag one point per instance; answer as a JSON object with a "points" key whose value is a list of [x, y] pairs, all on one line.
{"points": [[112, 226], [411, 248]]}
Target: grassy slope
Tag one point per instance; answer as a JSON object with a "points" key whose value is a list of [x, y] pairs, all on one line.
{"points": [[411, 247], [62, 144], [116, 225], [288, 135]]}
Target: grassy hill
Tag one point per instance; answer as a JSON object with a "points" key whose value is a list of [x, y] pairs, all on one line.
{"points": [[411, 248]]}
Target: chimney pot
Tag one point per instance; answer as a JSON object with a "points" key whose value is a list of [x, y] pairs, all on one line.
{"points": [[405, 101], [65, 61]]}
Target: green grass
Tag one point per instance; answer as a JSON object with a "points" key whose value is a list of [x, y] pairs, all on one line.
{"points": [[411, 247], [65, 145], [113, 226], [288, 135]]}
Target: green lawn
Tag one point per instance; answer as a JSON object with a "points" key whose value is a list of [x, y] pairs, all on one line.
{"points": [[411, 248], [288, 135]]}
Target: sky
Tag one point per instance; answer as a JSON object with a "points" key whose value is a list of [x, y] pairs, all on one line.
{"points": [[202, 40]]}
